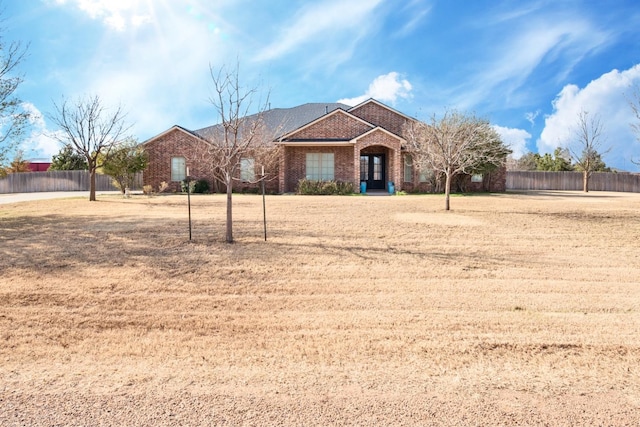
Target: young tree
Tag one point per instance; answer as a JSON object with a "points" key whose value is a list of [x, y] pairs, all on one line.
{"points": [[457, 143], [585, 151], [92, 130], [68, 159], [124, 161], [240, 140], [13, 117]]}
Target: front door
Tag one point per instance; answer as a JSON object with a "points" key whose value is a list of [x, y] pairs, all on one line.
{"points": [[372, 171]]}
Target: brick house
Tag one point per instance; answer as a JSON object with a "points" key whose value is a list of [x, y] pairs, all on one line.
{"points": [[317, 141]]}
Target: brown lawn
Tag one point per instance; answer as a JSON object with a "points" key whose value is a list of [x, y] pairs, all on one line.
{"points": [[510, 309]]}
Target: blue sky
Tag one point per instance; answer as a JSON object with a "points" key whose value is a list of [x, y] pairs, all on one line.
{"points": [[528, 66]]}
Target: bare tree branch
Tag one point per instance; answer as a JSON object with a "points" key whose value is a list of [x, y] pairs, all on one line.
{"points": [[13, 117], [634, 103], [586, 149], [91, 129], [239, 134], [457, 143]]}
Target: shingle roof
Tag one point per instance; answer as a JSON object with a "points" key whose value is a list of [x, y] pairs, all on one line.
{"points": [[280, 121]]}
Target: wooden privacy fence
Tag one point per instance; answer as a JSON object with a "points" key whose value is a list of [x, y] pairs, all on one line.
{"points": [[33, 182], [572, 181]]}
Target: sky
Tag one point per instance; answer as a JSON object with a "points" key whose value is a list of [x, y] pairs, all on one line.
{"points": [[530, 67]]}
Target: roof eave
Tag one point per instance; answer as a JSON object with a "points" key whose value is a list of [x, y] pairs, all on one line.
{"points": [[316, 143]]}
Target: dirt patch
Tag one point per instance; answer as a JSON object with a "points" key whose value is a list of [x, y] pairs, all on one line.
{"points": [[511, 309]]}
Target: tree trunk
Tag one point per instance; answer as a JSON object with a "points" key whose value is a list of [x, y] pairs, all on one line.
{"points": [[585, 181], [229, 212], [447, 191], [92, 184]]}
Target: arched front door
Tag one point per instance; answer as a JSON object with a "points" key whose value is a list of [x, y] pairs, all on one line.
{"points": [[372, 171]]}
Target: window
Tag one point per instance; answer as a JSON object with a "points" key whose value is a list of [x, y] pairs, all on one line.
{"points": [[377, 168], [476, 177], [425, 175], [178, 168], [364, 168], [408, 168], [247, 170], [319, 166]]}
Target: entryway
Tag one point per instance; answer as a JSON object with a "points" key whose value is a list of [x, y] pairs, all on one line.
{"points": [[372, 171]]}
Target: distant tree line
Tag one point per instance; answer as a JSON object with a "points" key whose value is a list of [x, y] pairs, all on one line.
{"points": [[559, 161], [584, 154]]}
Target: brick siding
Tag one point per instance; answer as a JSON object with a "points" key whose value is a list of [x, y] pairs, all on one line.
{"points": [[381, 116], [178, 143], [295, 161], [493, 182], [335, 126], [379, 142]]}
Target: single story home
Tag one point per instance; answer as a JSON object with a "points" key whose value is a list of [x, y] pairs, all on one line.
{"points": [[317, 141]]}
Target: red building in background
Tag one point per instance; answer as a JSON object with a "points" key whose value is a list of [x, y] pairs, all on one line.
{"points": [[39, 165]]}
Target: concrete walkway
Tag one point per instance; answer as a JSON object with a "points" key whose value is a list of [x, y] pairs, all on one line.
{"points": [[26, 197]]}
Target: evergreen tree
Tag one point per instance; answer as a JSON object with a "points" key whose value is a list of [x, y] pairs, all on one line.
{"points": [[68, 159]]}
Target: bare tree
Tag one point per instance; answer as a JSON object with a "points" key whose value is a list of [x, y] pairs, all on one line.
{"points": [[91, 129], [457, 143], [634, 103], [585, 151], [240, 140], [13, 118]]}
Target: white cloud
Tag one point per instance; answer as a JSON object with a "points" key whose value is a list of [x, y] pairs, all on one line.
{"points": [[385, 88], [320, 22], [159, 73], [515, 139], [532, 116], [117, 14], [38, 143], [510, 63], [605, 97], [414, 13]]}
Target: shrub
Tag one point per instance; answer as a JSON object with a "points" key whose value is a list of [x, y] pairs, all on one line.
{"points": [[183, 186], [163, 186], [147, 189], [250, 190], [201, 186], [311, 187]]}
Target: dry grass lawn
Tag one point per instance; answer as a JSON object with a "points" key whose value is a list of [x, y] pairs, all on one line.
{"points": [[510, 309]]}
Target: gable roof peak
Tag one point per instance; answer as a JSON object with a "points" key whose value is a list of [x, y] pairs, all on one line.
{"points": [[381, 104], [323, 117], [171, 129]]}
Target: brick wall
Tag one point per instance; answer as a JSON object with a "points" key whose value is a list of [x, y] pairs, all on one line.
{"points": [[336, 126], [381, 116], [379, 142], [494, 182], [295, 159], [178, 143]]}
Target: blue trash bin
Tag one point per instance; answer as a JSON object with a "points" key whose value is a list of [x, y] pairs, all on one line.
{"points": [[363, 187], [391, 188]]}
